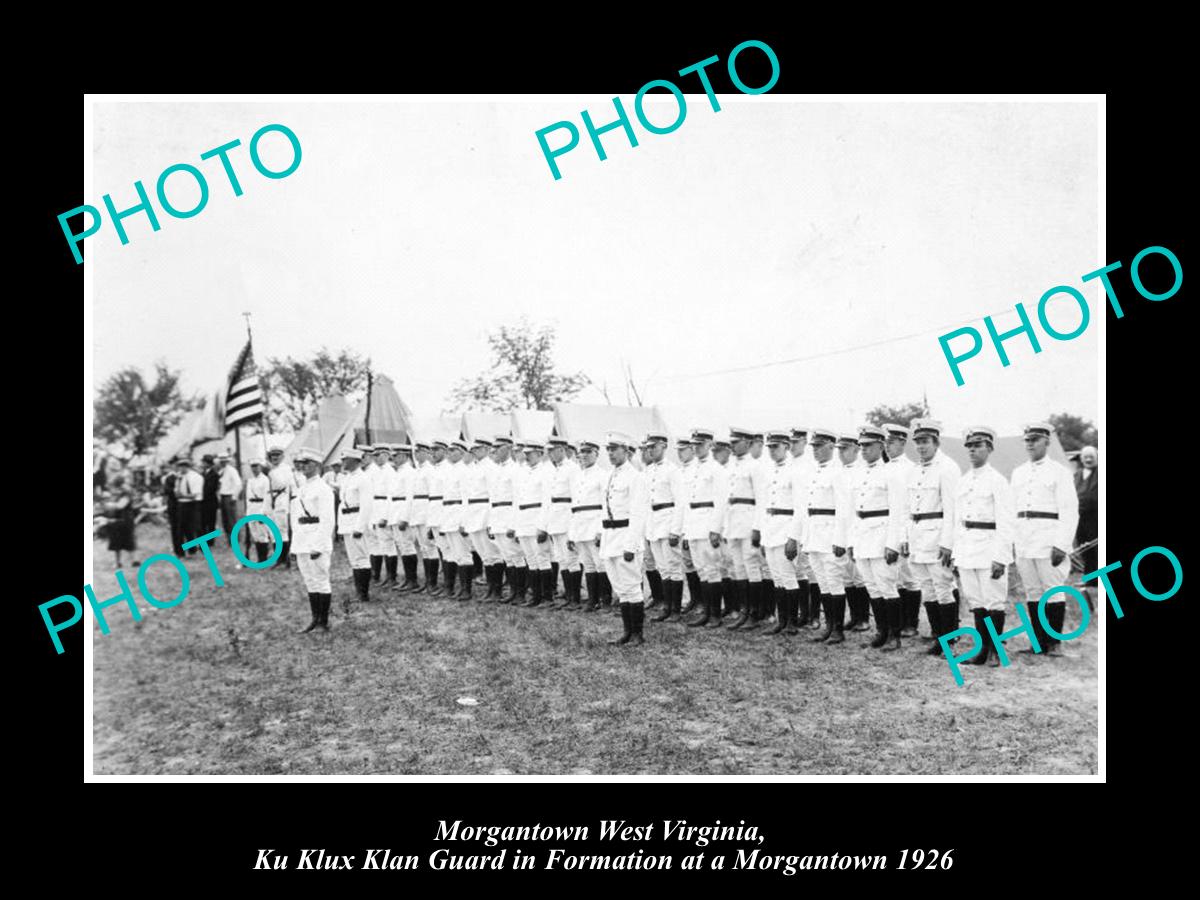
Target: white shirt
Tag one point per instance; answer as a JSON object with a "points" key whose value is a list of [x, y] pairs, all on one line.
{"points": [[874, 488], [231, 481], [587, 503], [931, 488], [665, 489], [312, 517], [780, 517], [983, 497], [1044, 486], [624, 501], [827, 490]]}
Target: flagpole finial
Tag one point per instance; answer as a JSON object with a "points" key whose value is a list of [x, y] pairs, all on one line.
{"points": [[246, 316]]}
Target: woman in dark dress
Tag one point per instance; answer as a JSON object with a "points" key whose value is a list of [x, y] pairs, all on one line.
{"points": [[121, 514]]}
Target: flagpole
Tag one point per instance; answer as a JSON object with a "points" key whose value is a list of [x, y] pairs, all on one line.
{"points": [[367, 420]]}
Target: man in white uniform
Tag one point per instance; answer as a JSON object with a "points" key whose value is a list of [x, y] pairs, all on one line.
{"points": [[932, 486], [477, 481], [531, 490], [587, 506], [1047, 516], [984, 521], [745, 485], [452, 522], [312, 536], [403, 532], [419, 487], [810, 591], [900, 466], [565, 559], [258, 490], [876, 534], [685, 452], [825, 532], [502, 520], [667, 501], [354, 514], [703, 522], [623, 533], [229, 489], [857, 598], [283, 483], [779, 524]]}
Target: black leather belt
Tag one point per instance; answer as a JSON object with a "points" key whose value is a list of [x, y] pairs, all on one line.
{"points": [[872, 513], [990, 526], [773, 511], [502, 503], [657, 506], [703, 504], [479, 500], [349, 509], [528, 505], [591, 508], [394, 499], [420, 496], [256, 499], [379, 497], [308, 520], [1034, 514], [822, 512], [615, 523], [560, 499], [733, 501], [921, 517], [451, 502], [435, 496]]}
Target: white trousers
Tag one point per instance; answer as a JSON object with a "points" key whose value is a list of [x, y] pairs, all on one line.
{"points": [[707, 559], [405, 541], [667, 559], [935, 582], [827, 569], [850, 573], [356, 552], [315, 573], [460, 549], [567, 559], [745, 560], [980, 589], [510, 550], [625, 577], [379, 541], [880, 578], [537, 556], [589, 555], [906, 580], [425, 543], [485, 547], [685, 553], [782, 569], [1038, 576]]}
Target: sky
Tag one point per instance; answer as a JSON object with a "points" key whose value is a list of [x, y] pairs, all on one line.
{"points": [[775, 229]]}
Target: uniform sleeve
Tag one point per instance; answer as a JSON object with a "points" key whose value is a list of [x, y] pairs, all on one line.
{"points": [[897, 507], [366, 501], [720, 498], [799, 507], [948, 479], [843, 509], [1006, 521], [679, 492], [326, 514], [1067, 501], [639, 509]]}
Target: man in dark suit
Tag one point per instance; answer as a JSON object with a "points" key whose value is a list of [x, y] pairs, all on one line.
{"points": [[168, 489], [210, 502], [1087, 481]]}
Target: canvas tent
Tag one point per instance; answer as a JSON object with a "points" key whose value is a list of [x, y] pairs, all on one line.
{"points": [[381, 417], [577, 421], [323, 430], [531, 424], [485, 424], [438, 428]]}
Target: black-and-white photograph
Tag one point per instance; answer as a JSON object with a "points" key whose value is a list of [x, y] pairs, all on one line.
{"points": [[467, 436]]}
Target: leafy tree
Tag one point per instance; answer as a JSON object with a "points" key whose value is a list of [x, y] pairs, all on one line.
{"points": [[521, 375], [1073, 431], [134, 414], [899, 415], [294, 387]]}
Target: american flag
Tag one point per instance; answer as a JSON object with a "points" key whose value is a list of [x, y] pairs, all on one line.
{"points": [[244, 396]]}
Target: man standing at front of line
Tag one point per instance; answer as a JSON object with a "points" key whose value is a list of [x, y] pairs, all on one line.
{"points": [[1047, 517], [664, 524], [312, 537], [932, 486], [984, 520], [622, 535]]}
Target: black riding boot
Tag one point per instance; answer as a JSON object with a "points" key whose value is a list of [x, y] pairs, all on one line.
{"points": [[314, 606], [827, 604], [627, 621], [894, 608], [704, 601], [997, 623], [261, 550], [450, 579], [376, 567], [879, 611], [814, 604], [393, 564], [326, 602], [637, 616], [741, 603], [782, 611], [981, 658], [1056, 614], [592, 581], [794, 604], [800, 611], [838, 606], [937, 627], [695, 592]]}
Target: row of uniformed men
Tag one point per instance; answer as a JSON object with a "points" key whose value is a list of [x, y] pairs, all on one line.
{"points": [[797, 531]]}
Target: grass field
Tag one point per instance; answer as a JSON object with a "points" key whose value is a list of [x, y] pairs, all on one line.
{"points": [[222, 684]]}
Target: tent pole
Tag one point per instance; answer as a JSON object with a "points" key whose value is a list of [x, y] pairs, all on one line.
{"points": [[367, 420]]}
